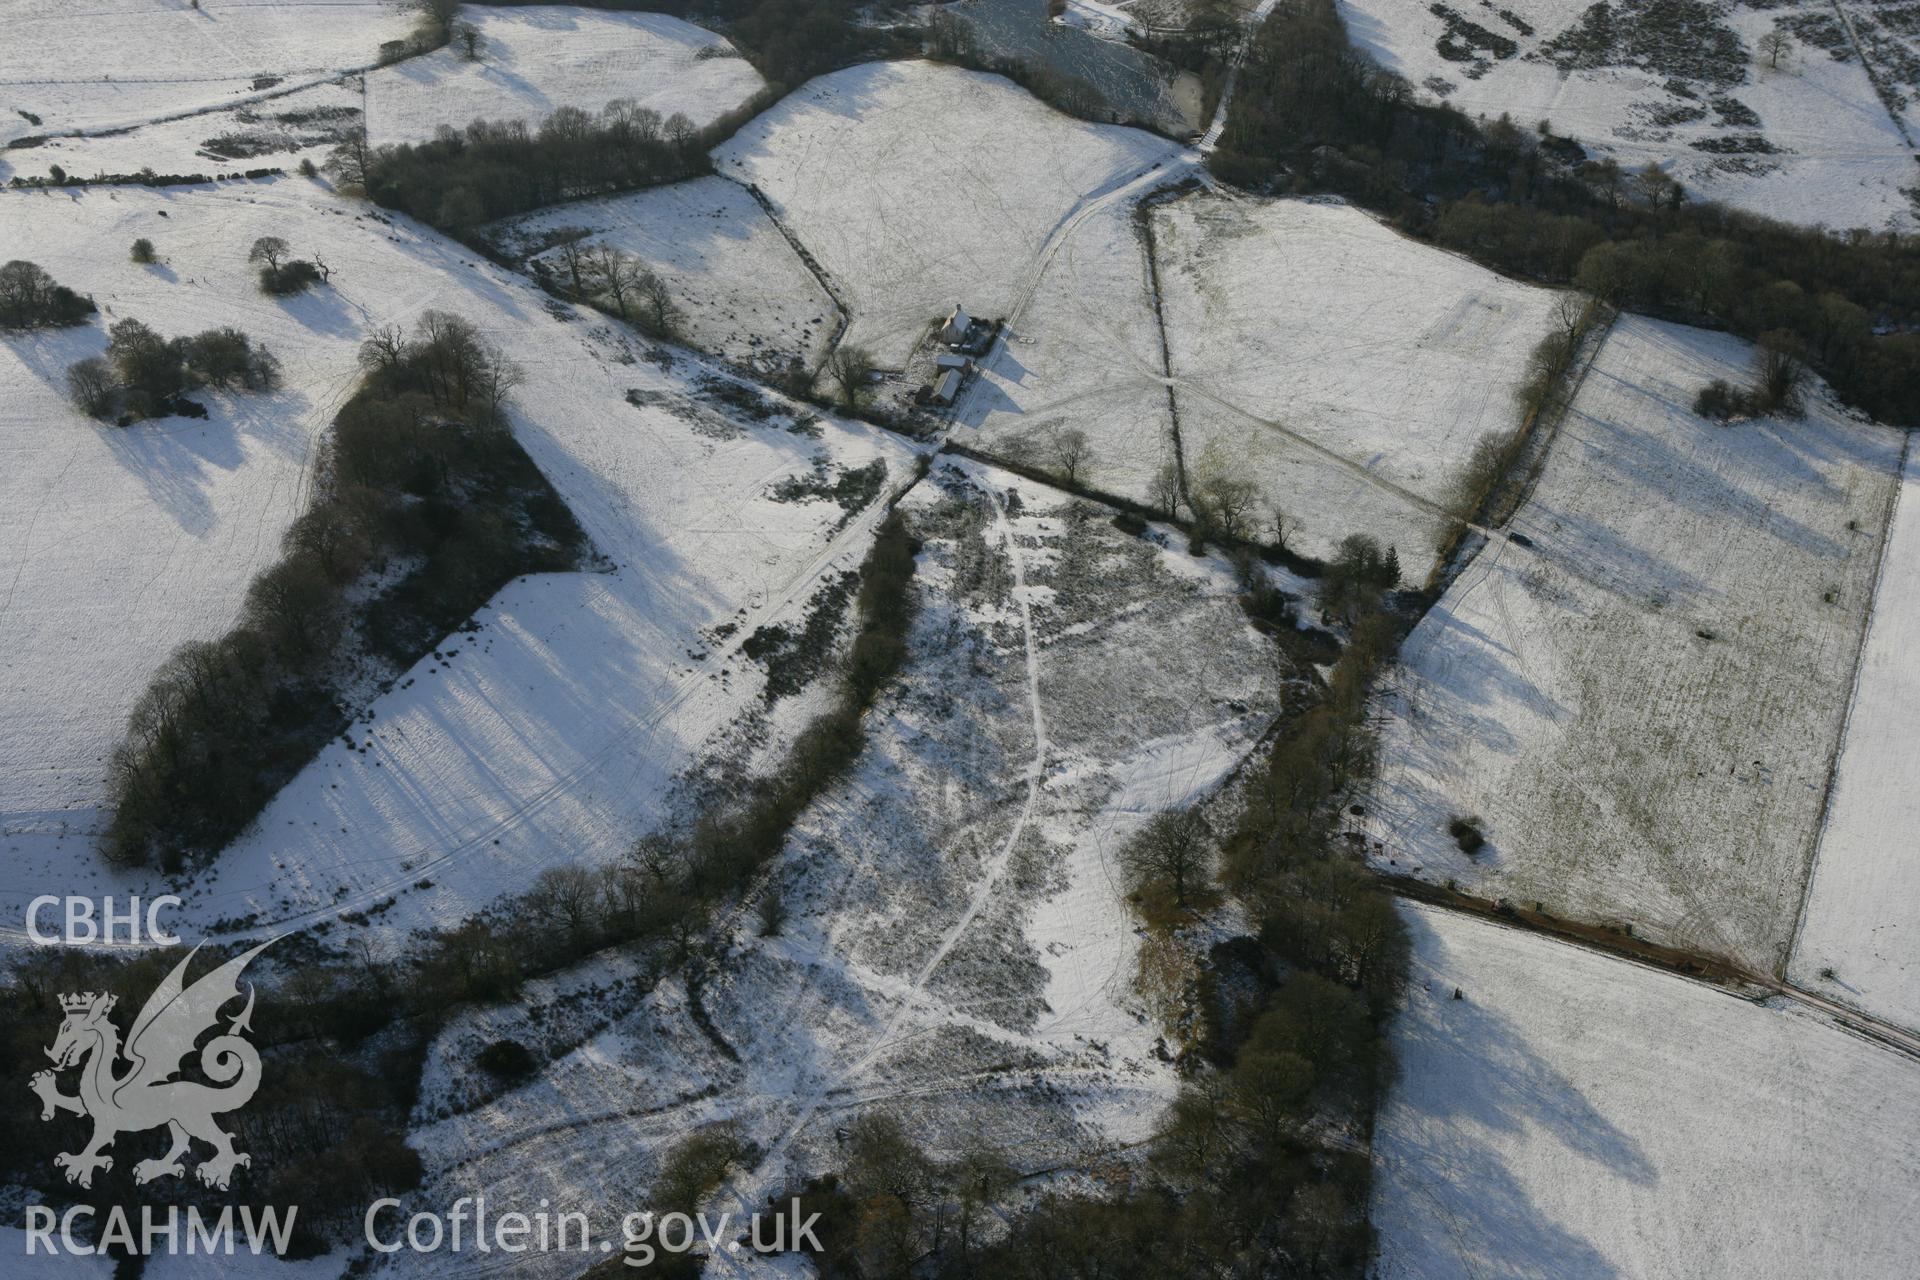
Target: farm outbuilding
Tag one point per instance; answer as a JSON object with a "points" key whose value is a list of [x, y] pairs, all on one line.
{"points": [[946, 387]]}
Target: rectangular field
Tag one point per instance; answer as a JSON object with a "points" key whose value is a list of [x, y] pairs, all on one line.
{"points": [[1860, 937], [112, 63], [534, 60], [1084, 357], [918, 186], [1641, 704], [743, 292], [1296, 320]]}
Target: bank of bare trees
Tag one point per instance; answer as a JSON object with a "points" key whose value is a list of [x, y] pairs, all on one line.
{"points": [[420, 469]]}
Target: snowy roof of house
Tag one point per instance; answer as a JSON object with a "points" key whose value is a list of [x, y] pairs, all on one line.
{"points": [[950, 360], [948, 384]]}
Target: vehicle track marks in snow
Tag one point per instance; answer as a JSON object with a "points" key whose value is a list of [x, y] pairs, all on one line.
{"points": [[996, 872]]}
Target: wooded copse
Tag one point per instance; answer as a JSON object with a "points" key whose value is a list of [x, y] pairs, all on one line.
{"points": [[490, 169], [32, 299], [419, 468], [144, 375]]}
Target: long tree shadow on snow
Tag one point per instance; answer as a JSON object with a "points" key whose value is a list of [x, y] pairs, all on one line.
{"points": [[1470, 1074]]}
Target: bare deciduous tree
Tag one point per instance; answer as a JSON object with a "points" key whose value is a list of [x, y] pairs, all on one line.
{"points": [[615, 274], [1226, 504], [268, 250], [851, 369], [1171, 850], [659, 313], [1164, 490], [1068, 451], [90, 386], [1774, 46]]}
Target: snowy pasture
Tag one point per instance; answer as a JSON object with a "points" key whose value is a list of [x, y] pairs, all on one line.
{"points": [[1860, 936], [1682, 86], [918, 186], [557, 725], [1307, 319], [1642, 705], [958, 949], [1577, 1116], [537, 59], [109, 64], [744, 293], [275, 132], [1085, 356]]}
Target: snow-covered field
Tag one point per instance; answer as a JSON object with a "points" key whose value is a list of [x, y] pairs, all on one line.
{"points": [[1307, 318], [1578, 1116], [918, 186], [112, 63], [744, 292], [1677, 81], [275, 132], [533, 60], [1085, 356], [958, 949], [1642, 706], [556, 726], [1860, 935]]}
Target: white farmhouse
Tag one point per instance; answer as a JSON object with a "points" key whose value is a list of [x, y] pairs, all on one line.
{"points": [[954, 331]]}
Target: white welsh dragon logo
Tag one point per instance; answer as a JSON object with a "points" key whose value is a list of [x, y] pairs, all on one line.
{"points": [[145, 1096]]}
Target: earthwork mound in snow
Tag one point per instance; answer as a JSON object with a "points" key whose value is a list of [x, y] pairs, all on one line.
{"points": [[1642, 705], [743, 292], [1676, 83], [111, 63], [1575, 1115], [917, 186], [537, 59], [1313, 317]]}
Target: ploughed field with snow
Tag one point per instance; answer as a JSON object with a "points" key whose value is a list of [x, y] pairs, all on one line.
{"points": [[959, 951], [535, 59], [558, 722], [1642, 706], [743, 292], [1859, 939], [1572, 1114], [1333, 362], [918, 186], [108, 64], [1684, 85]]}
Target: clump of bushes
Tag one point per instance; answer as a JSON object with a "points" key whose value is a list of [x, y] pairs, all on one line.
{"points": [[1467, 834], [144, 375], [1779, 372], [508, 1059], [30, 299], [280, 273], [419, 469]]}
